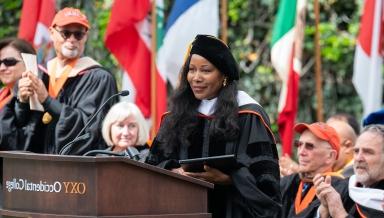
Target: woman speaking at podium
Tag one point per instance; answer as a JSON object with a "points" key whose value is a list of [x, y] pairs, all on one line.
{"points": [[209, 117]]}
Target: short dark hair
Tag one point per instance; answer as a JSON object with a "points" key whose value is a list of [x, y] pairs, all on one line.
{"points": [[21, 45]]}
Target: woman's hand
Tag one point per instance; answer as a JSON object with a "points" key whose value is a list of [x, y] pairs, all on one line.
{"points": [[25, 88], [211, 175], [178, 171]]}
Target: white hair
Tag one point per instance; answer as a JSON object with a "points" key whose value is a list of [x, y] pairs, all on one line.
{"points": [[119, 112]]}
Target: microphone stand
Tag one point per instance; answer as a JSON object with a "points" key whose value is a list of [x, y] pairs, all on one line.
{"points": [[67, 147]]}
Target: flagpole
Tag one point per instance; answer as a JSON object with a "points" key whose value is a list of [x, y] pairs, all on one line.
{"points": [[319, 90], [153, 69], [224, 18]]}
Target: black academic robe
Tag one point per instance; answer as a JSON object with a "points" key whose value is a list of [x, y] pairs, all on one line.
{"points": [[365, 211], [289, 186], [79, 98], [255, 182]]}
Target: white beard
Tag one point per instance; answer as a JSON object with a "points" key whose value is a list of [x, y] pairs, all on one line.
{"points": [[362, 177], [69, 53]]}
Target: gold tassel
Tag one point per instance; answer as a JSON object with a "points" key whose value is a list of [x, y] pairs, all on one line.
{"points": [[187, 53]]}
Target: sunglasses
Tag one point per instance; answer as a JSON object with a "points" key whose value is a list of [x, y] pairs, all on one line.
{"points": [[9, 62], [307, 145], [66, 34]]}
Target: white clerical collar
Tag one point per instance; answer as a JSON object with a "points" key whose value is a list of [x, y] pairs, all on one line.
{"points": [[367, 197], [207, 107]]}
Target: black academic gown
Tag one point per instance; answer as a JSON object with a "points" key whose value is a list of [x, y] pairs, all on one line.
{"points": [[255, 190], [79, 98], [289, 186]]}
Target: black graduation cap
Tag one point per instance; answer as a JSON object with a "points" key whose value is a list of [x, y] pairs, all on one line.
{"points": [[216, 52]]}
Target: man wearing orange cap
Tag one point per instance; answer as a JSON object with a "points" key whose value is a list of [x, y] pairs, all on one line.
{"points": [[318, 148], [71, 90]]}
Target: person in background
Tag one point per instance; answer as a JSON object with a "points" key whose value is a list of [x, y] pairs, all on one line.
{"points": [[13, 136], [343, 164], [124, 126], [376, 117], [351, 120], [347, 129], [317, 150], [365, 188], [11, 65], [209, 117], [70, 92]]}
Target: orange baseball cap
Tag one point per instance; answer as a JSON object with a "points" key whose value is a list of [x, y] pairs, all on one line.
{"points": [[322, 131], [70, 15]]}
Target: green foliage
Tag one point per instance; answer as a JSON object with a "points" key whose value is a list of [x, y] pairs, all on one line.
{"points": [[337, 43], [9, 17]]}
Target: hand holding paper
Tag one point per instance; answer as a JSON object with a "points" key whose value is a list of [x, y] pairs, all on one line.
{"points": [[30, 62]]}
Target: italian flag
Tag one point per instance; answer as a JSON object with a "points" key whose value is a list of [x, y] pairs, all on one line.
{"points": [[367, 76], [287, 40]]}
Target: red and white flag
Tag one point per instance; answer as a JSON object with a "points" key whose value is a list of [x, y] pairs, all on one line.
{"points": [[36, 17], [367, 76], [128, 37]]}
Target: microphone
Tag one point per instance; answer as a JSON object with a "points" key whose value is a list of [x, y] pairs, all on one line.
{"points": [[67, 147], [96, 152], [132, 153]]}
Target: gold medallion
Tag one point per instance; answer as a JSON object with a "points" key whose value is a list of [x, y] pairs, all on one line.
{"points": [[47, 118]]}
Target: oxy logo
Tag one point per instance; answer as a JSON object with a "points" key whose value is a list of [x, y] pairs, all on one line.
{"points": [[25, 185], [69, 187], [75, 188]]}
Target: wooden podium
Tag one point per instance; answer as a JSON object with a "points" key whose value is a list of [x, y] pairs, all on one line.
{"points": [[36, 185]]}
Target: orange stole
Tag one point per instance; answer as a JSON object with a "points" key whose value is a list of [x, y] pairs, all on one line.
{"points": [[5, 96], [300, 205], [360, 212], [55, 85]]}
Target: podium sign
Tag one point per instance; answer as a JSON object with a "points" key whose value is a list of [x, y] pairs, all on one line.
{"points": [[36, 185]]}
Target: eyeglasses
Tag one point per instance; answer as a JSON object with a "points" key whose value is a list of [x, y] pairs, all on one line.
{"points": [[307, 145], [9, 62], [66, 34]]}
